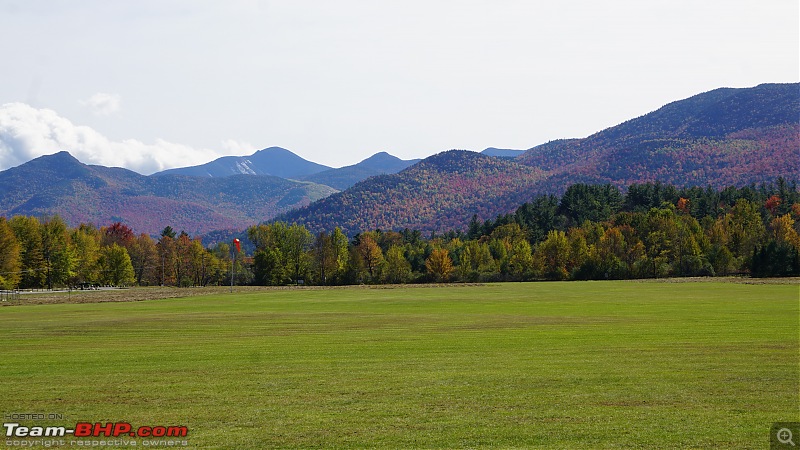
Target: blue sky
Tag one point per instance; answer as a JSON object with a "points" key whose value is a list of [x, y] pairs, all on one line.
{"points": [[150, 85]]}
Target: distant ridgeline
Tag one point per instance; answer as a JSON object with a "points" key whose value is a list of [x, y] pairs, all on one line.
{"points": [[590, 232], [725, 137]]}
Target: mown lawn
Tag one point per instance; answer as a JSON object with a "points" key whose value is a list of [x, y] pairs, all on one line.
{"points": [[564, 365]]}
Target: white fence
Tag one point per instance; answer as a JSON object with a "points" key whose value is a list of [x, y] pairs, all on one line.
{"points": [[9, 295]]}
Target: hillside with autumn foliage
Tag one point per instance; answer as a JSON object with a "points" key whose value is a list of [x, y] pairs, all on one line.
{"points": [[725, 137], [61, 185], [434, 194]]}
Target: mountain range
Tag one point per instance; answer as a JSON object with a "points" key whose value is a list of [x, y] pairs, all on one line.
{"points": [[227, 193], [718, 138], [60, 184], [725, 137]]}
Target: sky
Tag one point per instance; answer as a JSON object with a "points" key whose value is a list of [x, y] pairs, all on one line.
{"points": [[155, 84]]}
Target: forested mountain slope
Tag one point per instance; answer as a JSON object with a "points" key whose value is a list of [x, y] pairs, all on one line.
{"points": [[433, 194], [726, 137], [719, 138], [60, 184]]}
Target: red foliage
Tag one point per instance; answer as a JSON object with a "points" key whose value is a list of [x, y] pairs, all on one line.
{"points": [[119, 233], [772, 204]]}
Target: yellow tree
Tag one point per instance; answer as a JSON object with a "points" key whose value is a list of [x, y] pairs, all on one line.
{"points": [[782, 230], [9, 256], [145, 260], [370, 255], [86, 244], [115, 266], [476, 260], [27, 231], [553, 255], [398, 269], [439, 264]]}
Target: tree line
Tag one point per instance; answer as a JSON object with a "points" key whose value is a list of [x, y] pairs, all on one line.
{"points": [[46, 253], [590, 232]]}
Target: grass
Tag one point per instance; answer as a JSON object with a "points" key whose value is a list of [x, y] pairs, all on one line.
{"points": [[556, 365]]}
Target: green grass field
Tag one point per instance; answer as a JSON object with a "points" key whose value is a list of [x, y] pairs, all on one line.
{"points": [[564, 365]]}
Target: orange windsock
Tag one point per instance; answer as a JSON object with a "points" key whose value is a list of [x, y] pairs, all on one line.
{"points": [[238, 245]]}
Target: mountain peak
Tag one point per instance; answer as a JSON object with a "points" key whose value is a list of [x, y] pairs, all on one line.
{"points": [[62, 155], [275, 161], [274, 151], [378, 164], [380, 160], [58, 162]]}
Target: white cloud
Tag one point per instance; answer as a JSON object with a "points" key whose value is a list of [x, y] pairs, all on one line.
{"points": [[102, 104], [240, 148], [27, 132]]}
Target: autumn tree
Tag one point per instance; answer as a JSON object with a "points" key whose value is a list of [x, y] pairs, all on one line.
{"points": [[370, 256], [183, 259], [56, 252], [398, 269], [689, 242], [553, 255], [281, 249], [718, 253], [772, 204], [118, 233], [298, 242], [519, 264], [476, 261], [166, 258], [745, 229], [329, 253], [340, 253], [85, 241], [201, 263], [9, 256], [324, 263], [511, 250], [607, 258], [439, 264], [29, 236], [660, 234], [783, 233], [145, 260], [115, 266], [578, 249]]}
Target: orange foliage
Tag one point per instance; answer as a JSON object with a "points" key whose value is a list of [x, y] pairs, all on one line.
{"points": [[683, 205]]}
